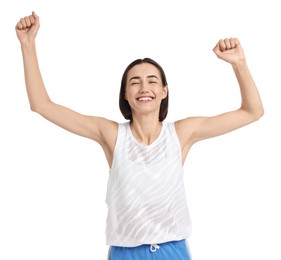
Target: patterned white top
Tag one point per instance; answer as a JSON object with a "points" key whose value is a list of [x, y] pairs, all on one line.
{"points": [[145, 194]]}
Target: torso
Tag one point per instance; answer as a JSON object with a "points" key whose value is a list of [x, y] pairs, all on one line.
{"points": [[110, 135], [150, 190]]}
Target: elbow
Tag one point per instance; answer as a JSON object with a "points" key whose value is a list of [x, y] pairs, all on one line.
{"points": [[258, 114], [35, 109], [254, 114], [39, 108], [261, 114]]}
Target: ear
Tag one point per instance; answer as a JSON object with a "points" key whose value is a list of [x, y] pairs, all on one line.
{"points": [[125, 96], [165, 91]]}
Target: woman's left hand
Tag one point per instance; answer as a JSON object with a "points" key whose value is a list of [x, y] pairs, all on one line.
{"points": [[230, 50]]}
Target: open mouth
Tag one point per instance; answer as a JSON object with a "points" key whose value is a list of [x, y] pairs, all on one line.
{"points": [[145, 99]]}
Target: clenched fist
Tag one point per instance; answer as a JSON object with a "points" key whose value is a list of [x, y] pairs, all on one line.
{"points": [[27, 28], [229, 50]]}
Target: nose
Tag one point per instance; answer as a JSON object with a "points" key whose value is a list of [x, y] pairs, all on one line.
{"points": [[144, 88]]}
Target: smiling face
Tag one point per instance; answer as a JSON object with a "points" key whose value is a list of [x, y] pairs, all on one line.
{"points": [[124, 105], [144, 89]]}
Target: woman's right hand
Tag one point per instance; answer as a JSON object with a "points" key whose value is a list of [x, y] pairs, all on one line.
{"points": [[27, 28]]}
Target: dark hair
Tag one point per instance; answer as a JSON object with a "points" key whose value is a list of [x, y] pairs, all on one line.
{"points": [[124, 104]]}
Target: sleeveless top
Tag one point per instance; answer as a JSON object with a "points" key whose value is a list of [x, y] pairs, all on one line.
{"points": [[145, 193]]}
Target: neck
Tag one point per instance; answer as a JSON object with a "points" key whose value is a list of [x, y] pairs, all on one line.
{"points": [[146, 129]]}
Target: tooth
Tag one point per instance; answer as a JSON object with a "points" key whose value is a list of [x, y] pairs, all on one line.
{"points": [[145, 99]]}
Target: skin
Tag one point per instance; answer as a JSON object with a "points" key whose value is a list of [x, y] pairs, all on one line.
{"points": [[143, 83]]}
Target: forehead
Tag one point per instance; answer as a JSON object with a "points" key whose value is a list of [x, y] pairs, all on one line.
{"points": [[143, 70]]}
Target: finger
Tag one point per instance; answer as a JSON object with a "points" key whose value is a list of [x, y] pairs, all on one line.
{"points": [[23, 23], [19, 26], [227, 43], [32, 20], [36, 17], [27, 21], [222, 45], [232, 42]]}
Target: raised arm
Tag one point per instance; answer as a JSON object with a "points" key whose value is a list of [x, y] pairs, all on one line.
{"points": [[99, 129], [191, 130]]}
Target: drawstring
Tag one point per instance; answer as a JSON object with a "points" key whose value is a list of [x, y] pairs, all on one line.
{"points": [[154, 247]]}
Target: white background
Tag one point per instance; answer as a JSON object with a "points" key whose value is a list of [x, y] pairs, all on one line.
{"points": [[53, 183]]}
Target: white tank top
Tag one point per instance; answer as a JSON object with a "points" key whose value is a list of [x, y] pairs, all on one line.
{"points": [[145, 194]]}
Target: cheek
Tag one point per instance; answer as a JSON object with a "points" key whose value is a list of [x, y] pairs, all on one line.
{"points": [[131, 92], [162, 92]]}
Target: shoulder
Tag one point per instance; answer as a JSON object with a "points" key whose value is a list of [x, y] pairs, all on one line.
{"points": [[168, 126], [185, 129], [108, 130]]}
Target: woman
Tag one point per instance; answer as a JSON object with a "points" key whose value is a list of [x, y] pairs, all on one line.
{"points": [[147, 213]]}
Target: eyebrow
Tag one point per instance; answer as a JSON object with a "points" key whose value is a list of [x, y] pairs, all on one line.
{"points": [[149, 76]]}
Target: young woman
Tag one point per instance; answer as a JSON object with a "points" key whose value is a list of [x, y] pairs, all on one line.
{"points": [[147, 212]]}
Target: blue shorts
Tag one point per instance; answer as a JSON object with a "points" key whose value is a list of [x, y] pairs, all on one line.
{"points": [[175, 250]]}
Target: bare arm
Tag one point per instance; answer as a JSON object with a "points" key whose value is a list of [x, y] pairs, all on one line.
{"points": [[99, 129], [191, 130]]}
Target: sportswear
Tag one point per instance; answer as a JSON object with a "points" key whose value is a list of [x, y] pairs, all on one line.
{"points": [[145, 192]]}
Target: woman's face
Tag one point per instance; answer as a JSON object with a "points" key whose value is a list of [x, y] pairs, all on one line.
{"points": [[144, 89]]}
